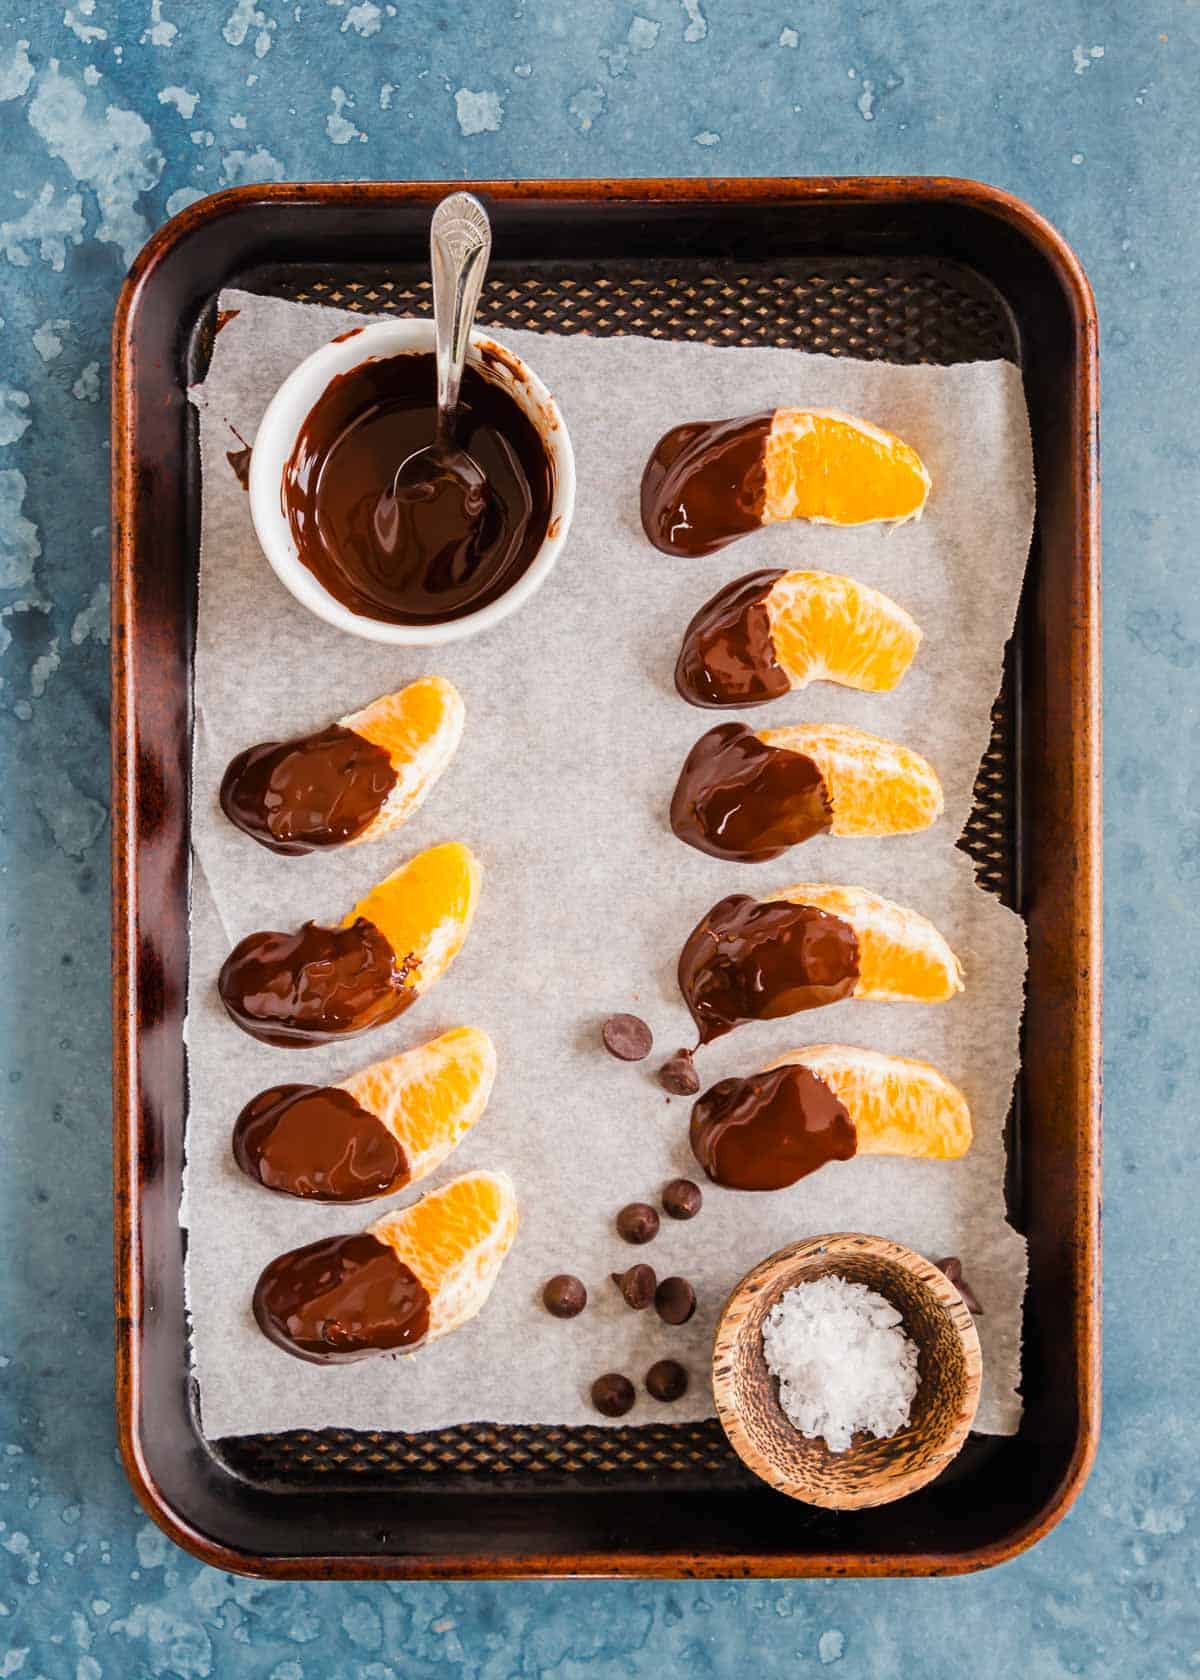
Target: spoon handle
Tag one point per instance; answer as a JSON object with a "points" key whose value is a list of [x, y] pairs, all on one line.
{"points": [[460, 243]]}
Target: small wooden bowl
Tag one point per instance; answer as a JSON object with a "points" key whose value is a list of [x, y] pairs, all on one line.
{"points": [[870, 1471]]}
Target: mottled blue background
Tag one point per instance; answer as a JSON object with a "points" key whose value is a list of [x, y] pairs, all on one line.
{"points": [[113, 115]]}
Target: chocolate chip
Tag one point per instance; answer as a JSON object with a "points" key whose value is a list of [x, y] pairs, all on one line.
{"points": [[952, 1266], [637, 1223], [674, 1300], [627, 1037], [681, 1199], [564, 1296], [613, 1394], [667, 1380], [637, 1286], [678, 1075]]}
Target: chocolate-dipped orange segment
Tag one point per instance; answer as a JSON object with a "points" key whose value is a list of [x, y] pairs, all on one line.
{"points": [[412, 1276], [708, 482], [377, 1132], [771, 632], [354, 781], [827, 1102], [802, 947], [749, 797], [321, 983]]}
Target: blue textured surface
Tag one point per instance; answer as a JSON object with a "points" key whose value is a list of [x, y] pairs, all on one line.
{"points": [[114, 113]]}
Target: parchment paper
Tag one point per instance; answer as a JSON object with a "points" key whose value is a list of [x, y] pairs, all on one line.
{"points": [[573, 742]]}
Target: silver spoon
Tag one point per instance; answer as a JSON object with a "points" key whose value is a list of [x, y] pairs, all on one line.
{"points": [[460, 243]]}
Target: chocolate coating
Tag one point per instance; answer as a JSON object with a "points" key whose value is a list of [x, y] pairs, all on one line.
{"points": [[678, 1075], [613, 1394], [314, 791], [315, 1141], [666, 1380], [341, 1299], [727, 657], [765, 1132], [675, 1300], [740, 799], [752, 961], [705, 484], [637, 1223], [564, 1296], [637, 1286], [681, 1199], [426, 557], [627, 1037], [316, 985]]}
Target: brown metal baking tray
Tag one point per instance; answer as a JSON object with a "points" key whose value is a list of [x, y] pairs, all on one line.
{"points": [[903, 270]]}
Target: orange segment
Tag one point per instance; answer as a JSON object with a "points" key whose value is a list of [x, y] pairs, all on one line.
{"points": [[898, 1106], [829, 628], [837, 470], [419, 727], [430, 1097], [425, 908], [902, 956], [455, 1239], [875, 786]]}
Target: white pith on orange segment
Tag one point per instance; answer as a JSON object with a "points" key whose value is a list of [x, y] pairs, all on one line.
{"points": [[424, 909], [455, 1239], [837, 470], [419, 727], [429, 1097], [875, 786], [902, 956], [899, 1106], [828, 628]]}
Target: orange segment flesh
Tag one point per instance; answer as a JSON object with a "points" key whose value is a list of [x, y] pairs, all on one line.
{"points": [[430, 1097], [902, 957], [419, 727], [898, 1106], [875, 786], [829, 628], [837, 470], [455, 1239], [425, 908]]}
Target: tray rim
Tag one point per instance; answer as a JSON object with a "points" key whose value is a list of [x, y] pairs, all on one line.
{"points": [[1085, 818]]}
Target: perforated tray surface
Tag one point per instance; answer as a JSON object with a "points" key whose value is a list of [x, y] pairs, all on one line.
{"points": [[900, 312]]}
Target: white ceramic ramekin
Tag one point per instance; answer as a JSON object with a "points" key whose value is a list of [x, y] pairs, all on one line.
{"points": [[276, 438]]}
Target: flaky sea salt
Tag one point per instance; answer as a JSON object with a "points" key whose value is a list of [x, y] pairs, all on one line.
{"points": [[842, 1360]]}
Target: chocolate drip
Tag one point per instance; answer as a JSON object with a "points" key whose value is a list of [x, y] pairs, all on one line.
{"points": [[341, 1299], [316, 790], [752, 961], [239, 461], [728, 657], [315, 985], [315, 1141], [705, 484], [414, 559], [765, 1132], [738, 798]]}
